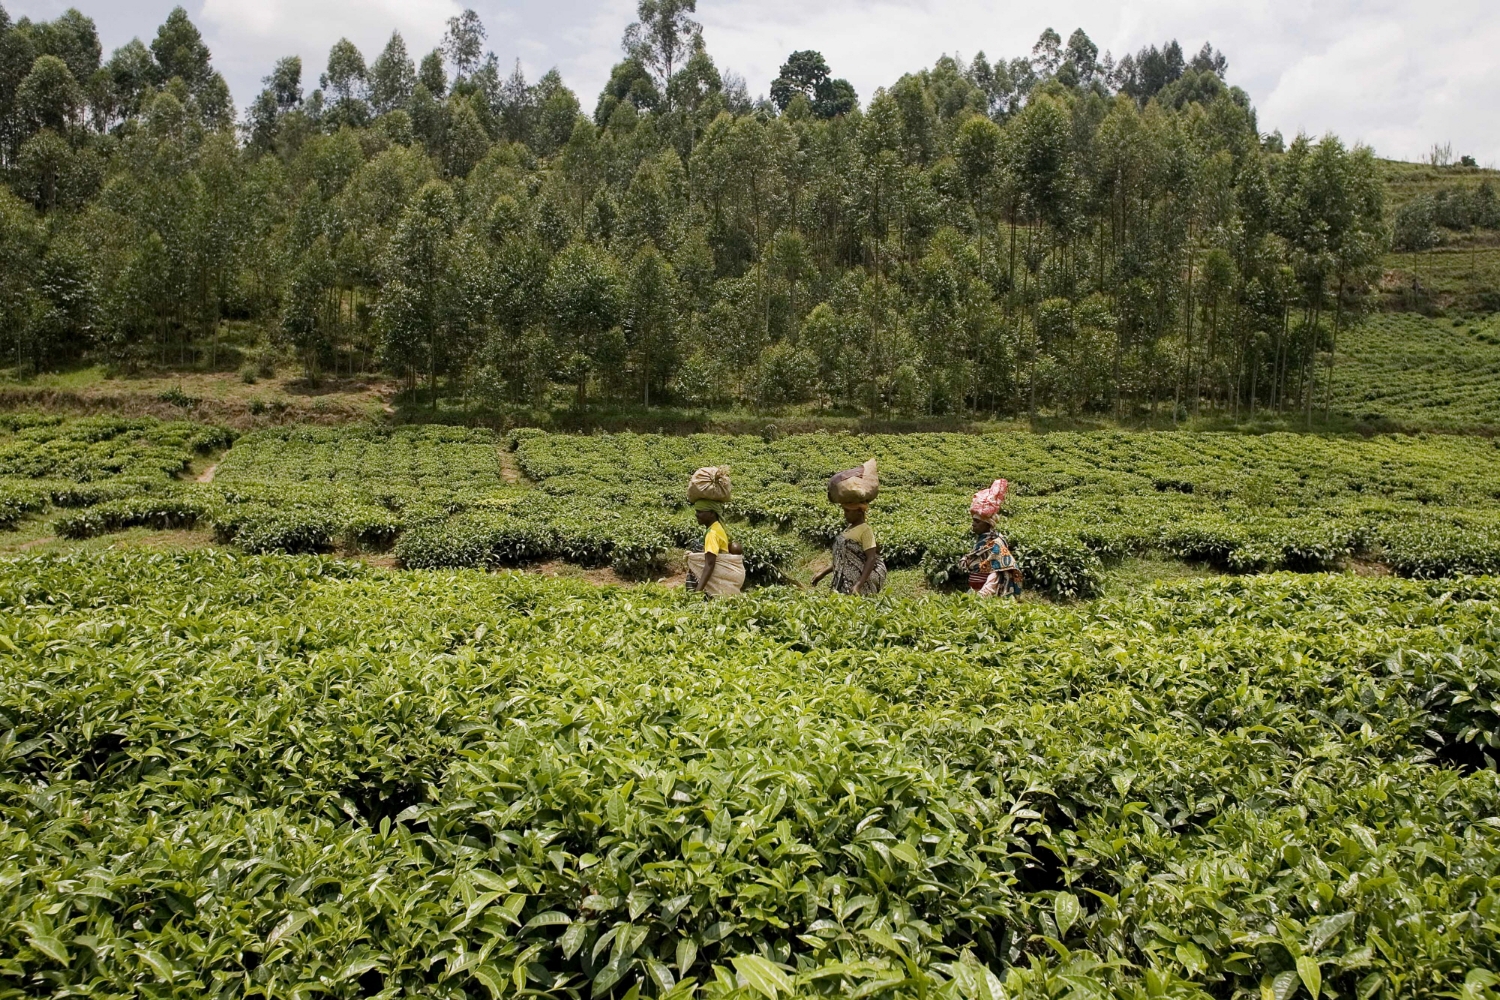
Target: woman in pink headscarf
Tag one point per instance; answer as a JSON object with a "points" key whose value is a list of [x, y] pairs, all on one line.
{"points": [[992, 570]]}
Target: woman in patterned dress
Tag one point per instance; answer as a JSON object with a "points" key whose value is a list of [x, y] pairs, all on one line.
{"points": [[993, 571]]}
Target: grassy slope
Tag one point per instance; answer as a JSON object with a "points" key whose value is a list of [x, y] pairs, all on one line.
{"points": [[1405, 181], [1462, 275]]}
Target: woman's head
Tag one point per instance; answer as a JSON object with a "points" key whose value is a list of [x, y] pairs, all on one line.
{"points": [[981, 526], [707, 511], [854, 513]]}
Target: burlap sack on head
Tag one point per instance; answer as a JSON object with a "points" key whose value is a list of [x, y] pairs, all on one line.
{"points": [[710, 483], [859, 485], [729, 573]]}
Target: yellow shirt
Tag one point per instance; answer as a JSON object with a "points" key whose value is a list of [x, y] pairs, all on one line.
{"points": [[717, 539], [863, 534]]}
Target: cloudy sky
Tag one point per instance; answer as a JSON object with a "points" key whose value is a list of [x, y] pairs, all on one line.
{"points": [[1400, 75]]}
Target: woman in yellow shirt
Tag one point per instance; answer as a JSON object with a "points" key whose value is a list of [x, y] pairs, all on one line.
{"points": [[716, 543], [857, 567]]}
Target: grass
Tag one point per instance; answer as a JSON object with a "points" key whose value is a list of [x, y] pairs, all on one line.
{"points": [[36, 537], [212, 396], [1444, 280], [1138, 573], [1405, 181]]}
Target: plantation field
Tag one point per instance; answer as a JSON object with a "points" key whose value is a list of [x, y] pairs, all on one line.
{"points": [[445, 497], [47, 461], [1408, 369], [229, 775], [1242, 503], [1463, 278], [1405, 181]]}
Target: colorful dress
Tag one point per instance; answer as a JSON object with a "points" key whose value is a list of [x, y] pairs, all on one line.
{"points": [[992, 569], [849, 561]]}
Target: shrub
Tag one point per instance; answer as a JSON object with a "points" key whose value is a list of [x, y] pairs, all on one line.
{"points": [[161, 512]]}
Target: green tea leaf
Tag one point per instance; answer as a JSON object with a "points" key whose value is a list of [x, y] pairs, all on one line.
{"points": [[491, 978], [762, 976], [1311, 976], [1066, 910], [1192, 958], [45, 942], [573, 938]]}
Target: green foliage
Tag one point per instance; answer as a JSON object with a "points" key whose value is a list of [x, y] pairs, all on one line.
{"points": [[272, 774], [98, 449], [478, 234], [438, 496], [150, 510], [112, 473], [1416, 371], [1240, 503]]}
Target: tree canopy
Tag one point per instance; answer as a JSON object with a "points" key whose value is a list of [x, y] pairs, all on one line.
{"points": [[1055, 231]]}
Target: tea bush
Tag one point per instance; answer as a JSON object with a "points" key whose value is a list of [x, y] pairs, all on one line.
{"points": [[1424, 506], [240, 776]]}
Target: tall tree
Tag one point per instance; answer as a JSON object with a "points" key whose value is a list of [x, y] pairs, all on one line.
{"points": [[344, 84], [393, 76], [651, 318], [806, 73], [586, 294], [180, 52], [425, 307], [464, 44], [661, 38]]}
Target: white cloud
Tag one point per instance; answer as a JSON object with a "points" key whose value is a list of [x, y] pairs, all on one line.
{"points": [[1400, 84], [248, 36]]}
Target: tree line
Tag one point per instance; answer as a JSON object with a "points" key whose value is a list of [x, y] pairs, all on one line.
{"points": [[1055, 232]]}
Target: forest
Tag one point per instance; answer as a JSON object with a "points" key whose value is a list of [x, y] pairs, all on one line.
{"points": [[1057, 232]]}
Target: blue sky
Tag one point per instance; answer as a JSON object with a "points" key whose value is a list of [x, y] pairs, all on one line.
{"points": [[1397, 74]]}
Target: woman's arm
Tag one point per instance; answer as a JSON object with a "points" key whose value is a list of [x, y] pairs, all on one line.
{"points": [[710, 560], [820, 576], [872, 556]]}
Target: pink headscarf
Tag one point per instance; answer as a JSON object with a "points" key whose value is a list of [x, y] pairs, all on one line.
{"points": [[987, 501]]}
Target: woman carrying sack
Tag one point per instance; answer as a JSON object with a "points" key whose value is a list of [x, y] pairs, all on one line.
{"points": [[992, 570], [857, 567], [719, 570]]}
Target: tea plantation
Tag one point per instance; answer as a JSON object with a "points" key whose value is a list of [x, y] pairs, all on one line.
{"points": [[243, 772], [229, 775], [1422, 506], [1413, 370]]}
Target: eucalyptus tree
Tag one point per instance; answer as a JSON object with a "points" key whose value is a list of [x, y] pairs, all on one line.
{"points": [[464, 44], [392, 77], [345, 85], [662, 37], [585, 296], [425, 307], [650, 319]]}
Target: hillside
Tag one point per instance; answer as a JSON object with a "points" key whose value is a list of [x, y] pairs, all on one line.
{"points": [[1405, 181]]}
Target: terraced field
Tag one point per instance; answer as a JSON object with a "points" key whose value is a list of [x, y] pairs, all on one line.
{"points": [[1411, 370]]}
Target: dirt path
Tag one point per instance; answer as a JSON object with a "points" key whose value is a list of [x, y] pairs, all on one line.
{"points": [[510, 472], [208, 474]]}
